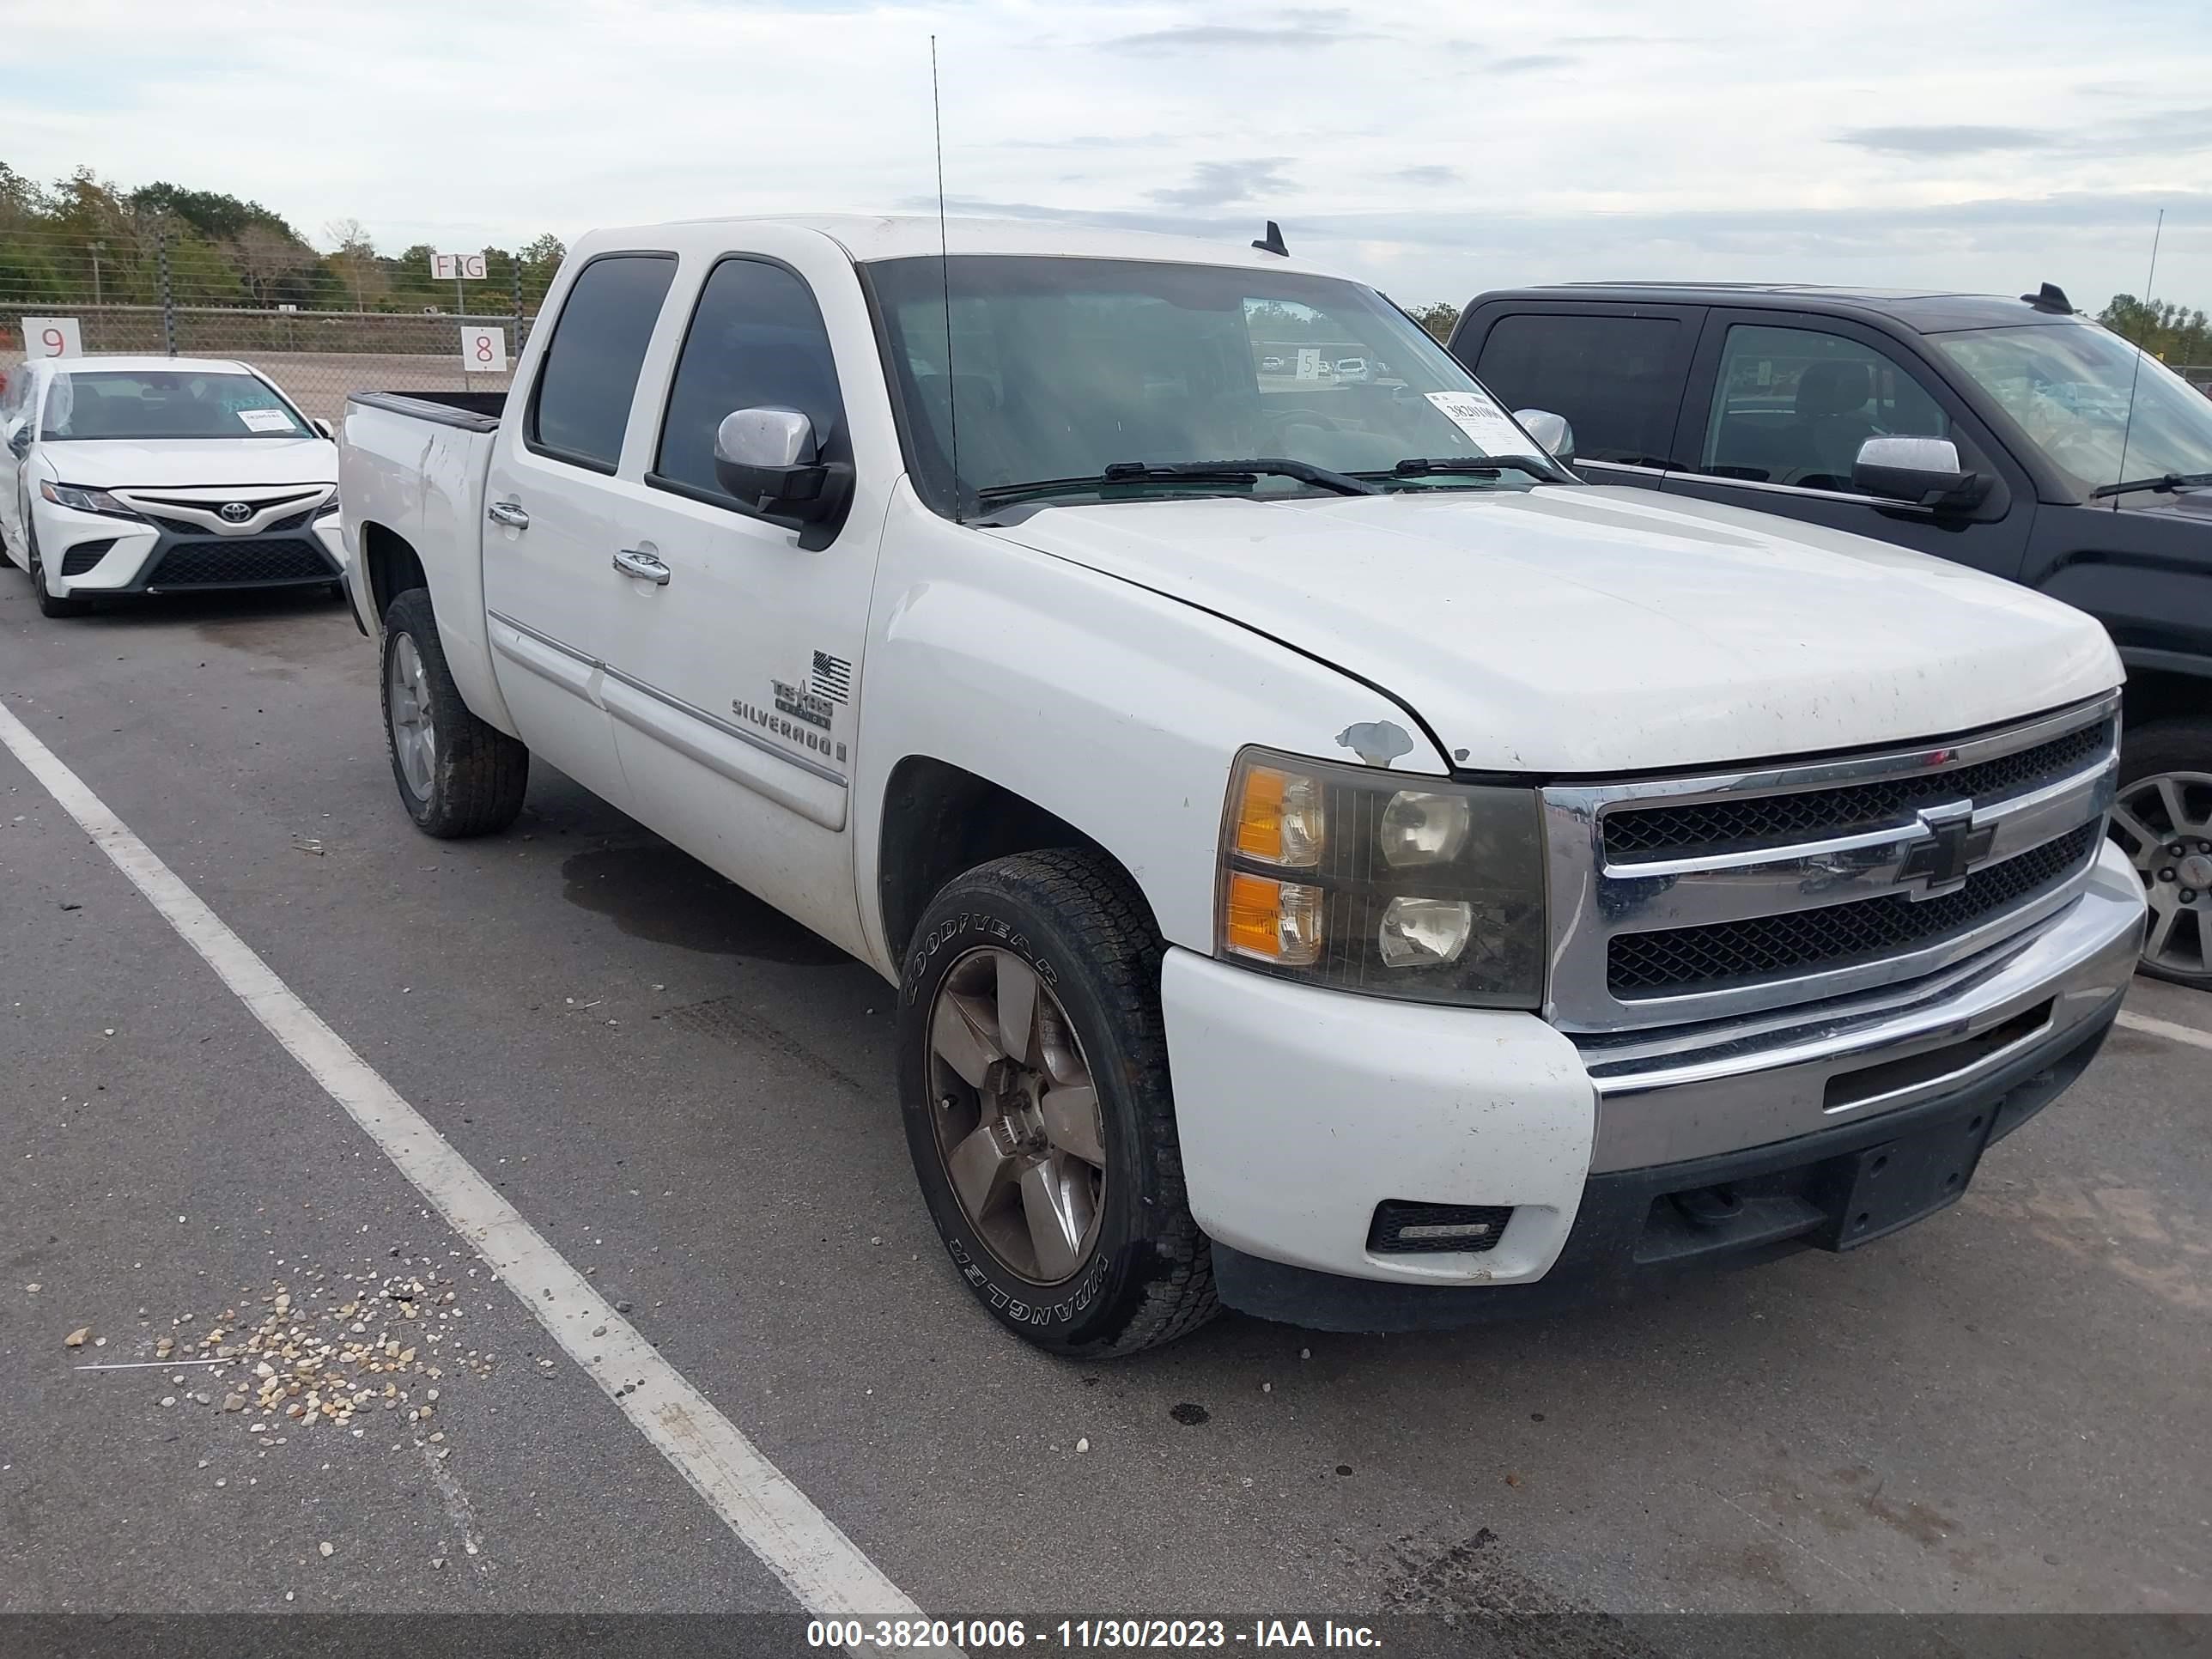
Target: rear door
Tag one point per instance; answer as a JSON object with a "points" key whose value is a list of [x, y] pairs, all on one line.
{"points": [[557, 514], [1779, 402], [1616, 372]]}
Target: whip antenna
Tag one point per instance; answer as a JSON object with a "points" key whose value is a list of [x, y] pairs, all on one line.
{"points": [[2126, 426], [944, 273]]}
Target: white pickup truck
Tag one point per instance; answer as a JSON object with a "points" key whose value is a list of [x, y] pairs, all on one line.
{"points": [[1332, 863]]}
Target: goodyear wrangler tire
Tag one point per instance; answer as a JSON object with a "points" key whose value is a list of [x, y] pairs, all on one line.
{"points": [[1033, 1077], [457, 776]]}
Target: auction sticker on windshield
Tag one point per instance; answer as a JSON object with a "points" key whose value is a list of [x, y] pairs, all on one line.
{"points": [[265, 420], [1483, 422]]}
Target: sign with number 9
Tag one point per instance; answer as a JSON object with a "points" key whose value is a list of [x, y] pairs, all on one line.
{"points": [[52, 336]]}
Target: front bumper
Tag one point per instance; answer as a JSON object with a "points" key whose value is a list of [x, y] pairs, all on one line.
{"points": [[137, 554], [1301, 1110]]}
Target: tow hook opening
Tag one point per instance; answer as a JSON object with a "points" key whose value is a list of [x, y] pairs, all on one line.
{"points": [[1708, 1206]]}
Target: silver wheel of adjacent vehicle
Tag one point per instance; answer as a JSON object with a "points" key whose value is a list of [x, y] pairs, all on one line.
{"points": [[413, 732], [2163, 822], [1016, 1116]]}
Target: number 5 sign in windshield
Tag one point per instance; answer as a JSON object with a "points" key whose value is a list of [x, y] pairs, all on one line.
{"points": [[458, 267], [52, 336], [483, 351]]}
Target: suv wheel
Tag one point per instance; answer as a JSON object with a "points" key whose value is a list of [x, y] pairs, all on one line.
{"points": [[2163, 821]]}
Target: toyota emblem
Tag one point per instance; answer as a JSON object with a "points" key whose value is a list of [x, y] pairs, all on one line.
{"points": [[234, 511]]}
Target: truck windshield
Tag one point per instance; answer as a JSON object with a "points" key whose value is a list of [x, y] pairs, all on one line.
{"points": [[1062, 370], [2066, 385], [140, 404]]}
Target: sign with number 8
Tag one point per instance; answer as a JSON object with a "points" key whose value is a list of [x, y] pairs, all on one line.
{"points": [[52, 336], [483, 351]]}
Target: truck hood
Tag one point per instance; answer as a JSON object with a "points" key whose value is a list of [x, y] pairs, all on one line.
{"points": [[178, 463], [1600, 629]]}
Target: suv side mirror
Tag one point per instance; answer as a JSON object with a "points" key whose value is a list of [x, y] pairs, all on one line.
{"points": [[771, 460], [1550, 430], [1923, 471], [18, 440], [323, 427]]}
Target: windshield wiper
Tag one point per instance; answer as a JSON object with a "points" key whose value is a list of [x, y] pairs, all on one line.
{"points": [[2168, 482], [1139, 473], [1476, 466]]}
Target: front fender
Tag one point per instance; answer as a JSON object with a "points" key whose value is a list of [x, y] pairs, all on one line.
{"points": [[1114, 708]]}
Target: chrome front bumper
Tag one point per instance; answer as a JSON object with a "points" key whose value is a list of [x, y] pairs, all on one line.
{"points": [[1687, 1092]]}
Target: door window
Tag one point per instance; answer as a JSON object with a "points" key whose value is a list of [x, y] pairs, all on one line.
{"points": [[1793, 405], [757, 341], [1615, 378], [581, 403]]}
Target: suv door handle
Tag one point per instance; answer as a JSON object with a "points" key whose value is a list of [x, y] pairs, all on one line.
{"points": [[509, 513], [632, 563]]}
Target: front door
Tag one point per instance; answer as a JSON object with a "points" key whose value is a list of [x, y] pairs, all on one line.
{"points": [[1778, 406], [734, 669], [556, 514]]}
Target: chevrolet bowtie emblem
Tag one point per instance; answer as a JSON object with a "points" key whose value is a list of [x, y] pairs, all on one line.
{"points": [[1951, 847]]}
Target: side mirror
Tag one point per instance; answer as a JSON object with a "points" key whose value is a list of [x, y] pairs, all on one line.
{"points": [[323, 427], [1550, 430], [771, 460], [18, 440], [1924, 471]]}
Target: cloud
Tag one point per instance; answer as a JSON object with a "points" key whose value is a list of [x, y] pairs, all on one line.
{"points": [[1527, 63], [1944, 140], [1212, 184], [1431, 173], [1294, 27]]}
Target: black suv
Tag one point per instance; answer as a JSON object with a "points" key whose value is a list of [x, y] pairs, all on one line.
{"points": [[2013, 435]]}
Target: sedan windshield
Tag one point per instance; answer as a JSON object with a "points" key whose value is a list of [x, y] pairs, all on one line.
{"points": [[1092, 378], [2068, 386], [141, 403]]}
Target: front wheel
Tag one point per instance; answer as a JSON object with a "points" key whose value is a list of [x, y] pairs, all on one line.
{"points": [[50, 605], [457, 776], [2163, 821], [1033, 1077]]}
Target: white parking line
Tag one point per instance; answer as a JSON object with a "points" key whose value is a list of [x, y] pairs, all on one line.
{"points": [[2167, 1029], [824, 1569]]}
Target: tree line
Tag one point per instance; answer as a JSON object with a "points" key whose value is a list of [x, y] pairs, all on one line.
{"points": [[85, 238]]}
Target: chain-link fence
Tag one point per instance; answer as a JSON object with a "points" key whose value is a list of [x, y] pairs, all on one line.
{"points": [[149, 291]]}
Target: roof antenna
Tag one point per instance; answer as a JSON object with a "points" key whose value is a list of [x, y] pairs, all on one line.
{"points": [[2150, 282], [944, 273], [1273, 241]]}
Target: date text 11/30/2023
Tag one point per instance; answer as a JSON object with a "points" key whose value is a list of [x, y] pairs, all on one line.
{"points": [[1086, 1634]]}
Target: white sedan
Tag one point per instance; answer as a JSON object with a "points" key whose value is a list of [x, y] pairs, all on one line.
{"points": [[162, 475]]}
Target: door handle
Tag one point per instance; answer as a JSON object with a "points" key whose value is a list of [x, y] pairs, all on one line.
{"points": [[632, 563], [509, 513]]}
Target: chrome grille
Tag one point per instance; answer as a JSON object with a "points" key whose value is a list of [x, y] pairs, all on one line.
{"points": [[1720, 894], [1837, 935], [1658, 832]]}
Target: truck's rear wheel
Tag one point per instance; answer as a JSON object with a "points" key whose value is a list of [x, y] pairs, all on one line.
{"points": [[457, 776], [1033, 1075], [2163, 821]]}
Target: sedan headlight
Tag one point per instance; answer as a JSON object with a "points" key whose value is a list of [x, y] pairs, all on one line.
{"points": [[1382, 883], [83, 500]]}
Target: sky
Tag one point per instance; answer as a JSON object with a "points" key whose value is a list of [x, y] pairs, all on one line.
{"points": [[1983, 144]]}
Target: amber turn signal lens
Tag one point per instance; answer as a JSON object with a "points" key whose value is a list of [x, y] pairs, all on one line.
{"points": [[1278, 818], [1277, 922]]}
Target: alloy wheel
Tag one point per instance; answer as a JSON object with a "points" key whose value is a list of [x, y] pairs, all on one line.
{"points": [[1016, 1115], [414, 733], [2164, 824]]}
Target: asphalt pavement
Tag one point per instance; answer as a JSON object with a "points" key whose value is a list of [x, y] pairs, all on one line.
{"points": [[691, 1099]]}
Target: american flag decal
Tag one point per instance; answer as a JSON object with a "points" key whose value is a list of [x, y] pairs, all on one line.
{"points": [[832, 678]]}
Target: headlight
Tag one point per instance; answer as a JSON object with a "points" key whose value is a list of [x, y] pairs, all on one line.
{"points": [[329, 508], [84, 501], [1382, 883]]}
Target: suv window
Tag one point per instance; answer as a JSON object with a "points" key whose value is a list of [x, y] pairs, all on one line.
{"points": [[1793, 405], [1613, 378], [581, 403], [757, 341]]}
